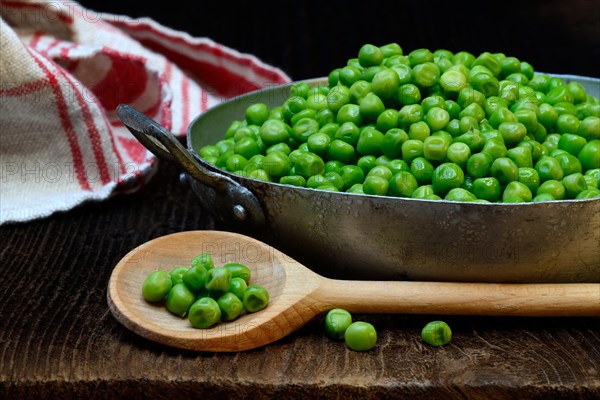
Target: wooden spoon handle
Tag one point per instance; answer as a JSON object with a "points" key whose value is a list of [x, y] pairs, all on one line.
{"points": [[565, 299]]}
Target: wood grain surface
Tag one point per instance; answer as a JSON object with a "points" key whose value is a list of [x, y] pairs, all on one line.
{"points": [[59, 340]]}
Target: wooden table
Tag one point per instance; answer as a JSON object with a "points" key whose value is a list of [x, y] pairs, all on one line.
{"points": [[59, 340]]}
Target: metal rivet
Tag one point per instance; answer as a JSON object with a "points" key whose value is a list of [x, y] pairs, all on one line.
{"points": [[183, 179], [239, 212]]}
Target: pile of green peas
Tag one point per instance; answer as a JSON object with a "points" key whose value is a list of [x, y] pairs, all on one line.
{"points": [[205, 293], [427, 125]]}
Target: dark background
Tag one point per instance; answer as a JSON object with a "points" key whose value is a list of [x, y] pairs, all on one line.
{"points": [[310, 38]]}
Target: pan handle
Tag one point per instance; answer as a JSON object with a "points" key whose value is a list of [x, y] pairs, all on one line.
{"points": [[243, 204]]}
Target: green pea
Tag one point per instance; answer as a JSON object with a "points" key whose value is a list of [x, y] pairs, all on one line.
{"points": [[472, 138], [552, 187], [195, 277], [235, 162], [337, 321], [487, 188], [408, 94], [257, 114], [527, 69], [385, 83], [453, 82], [571, 143], [425, 75], [516, 189], [403, 71], [156, 286], [238, 287], [568, 163], [521, 156], [387, 120], [435, 148], [317, 101], [589, 155], [512, 132], [382, 171], [409, 114], [294, 180], [402, 184], [437, 118], [558, 94], [371, 106], [274, 131], [356, 189], [208, 151], [412, 149], [391, 144], [204, 313], [341, 151], [591, 181], [205, 260], [180, 299], [324, 117], [447, 176], [543, 197], [589, 128], [453, 128], [260, 174], [351, 175], [255, 162], [479, 164], [419, 131], [588, 194], [468, 96], [348, 75], [176, 274], [390, 49], [375, 185], [369, 142], [256, 298], [309, 164], [458, 153], [348, 132], [359, 90], [422, 192], [238, 271], [495, 148], [225, 146], [509, 65], [333, 166], [360, 336], [306, 113], [460, 194], [463, 57], [337, 97], [574, 184], [334, 77], [530, 178], [231, 306], [505, 170], [318, 143], [436, 333], [370, 55], [277, 164], [473, 110], [422, 170], [218, 280], [349, 113]]}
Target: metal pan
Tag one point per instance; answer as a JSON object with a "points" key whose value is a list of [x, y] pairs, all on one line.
{"points": [[354, 236]]}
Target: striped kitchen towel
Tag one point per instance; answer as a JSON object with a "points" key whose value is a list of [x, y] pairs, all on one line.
{"points": [[63, 71]]}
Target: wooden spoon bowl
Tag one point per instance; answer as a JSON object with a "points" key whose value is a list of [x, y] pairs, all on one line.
{"points": [[297, 294]]}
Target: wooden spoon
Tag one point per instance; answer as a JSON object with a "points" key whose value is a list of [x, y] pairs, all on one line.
{"points": [[298, 294]]}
